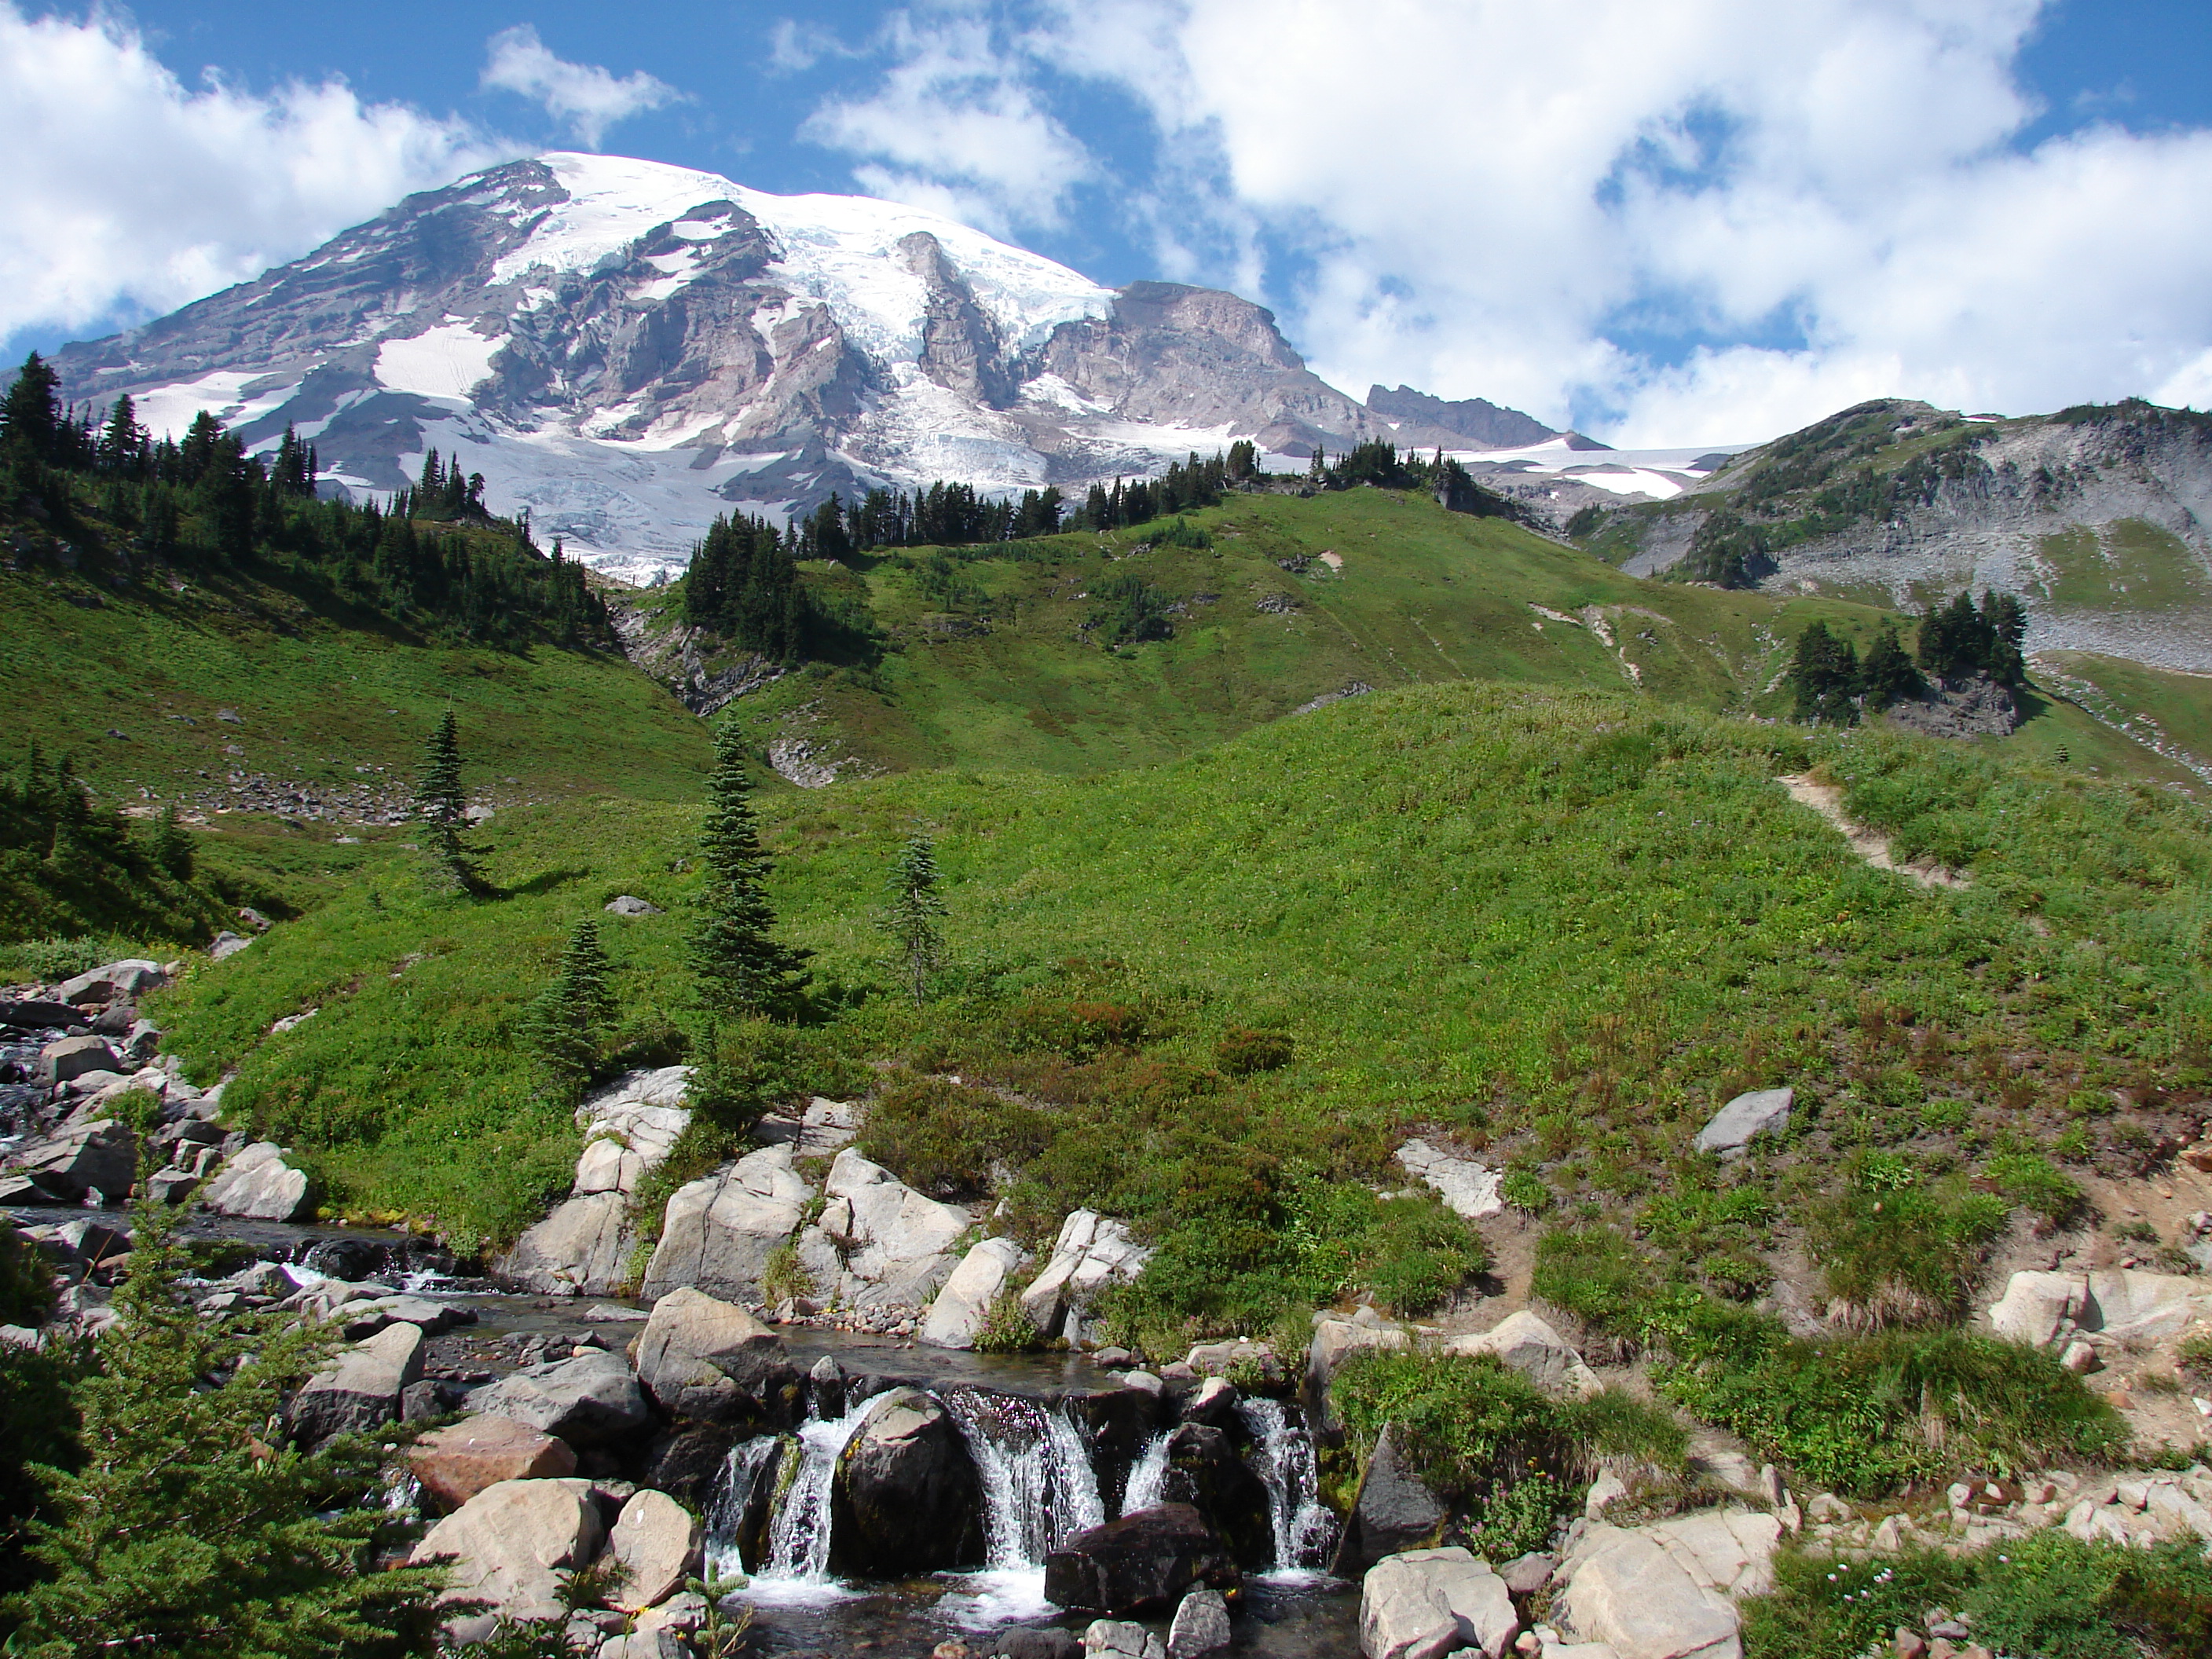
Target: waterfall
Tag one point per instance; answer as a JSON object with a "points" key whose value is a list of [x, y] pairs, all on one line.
{"points": [[1147, 1477], [1039, 1489], [1283, 1457], [797, 1554], [750, 1461]]}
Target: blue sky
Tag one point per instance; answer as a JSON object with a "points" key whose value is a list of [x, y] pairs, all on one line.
{"points": [[1702, 220]]}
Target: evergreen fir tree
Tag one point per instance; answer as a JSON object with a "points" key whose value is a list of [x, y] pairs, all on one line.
{"points": [[192, 1528], [442, 809], [740, 968], [172, 845], [1887, 675], [1824, 678], [912, 916], [567, 1024], [30, 413]]}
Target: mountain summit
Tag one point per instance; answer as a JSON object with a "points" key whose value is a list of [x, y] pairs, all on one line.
{"points": [[626, 348]]}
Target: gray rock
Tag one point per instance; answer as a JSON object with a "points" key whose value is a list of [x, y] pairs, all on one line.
{"points": [[1335, 1341], [1145, 1561], [1049, 1643], [582, 1248], [655, 1545], [362, 1389], [892, 1245], [1392, 1511], [1426, 1603], [1091, 1253], [71, 1058], [586, 1401], [369, 1314], [1733, 1126], [719, 1232], [629, 904], [100, 1156], [1201, 1626], [1468, 1188], [984, 1274], [1728, 1551], [115, 981], [171, 1186], [1116, 1638], [710, 1361], [1622, 1589], [512, 1541], [227, 945], [259, 1185], [1522, 1342], [905, 1497]]}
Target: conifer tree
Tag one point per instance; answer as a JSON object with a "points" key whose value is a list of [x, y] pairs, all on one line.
{"points": [[912, 916], [192, 1528], [30, 412], [1824, 678], [442, 808], [172, 845], [567, 1024], [740, 968], [1887, 675]]}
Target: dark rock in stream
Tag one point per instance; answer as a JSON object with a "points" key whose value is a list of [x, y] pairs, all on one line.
{"points": [[1142, 1563], [1205, 1471], [1117, 1425], [1393, 1511], [906, 1498], [687, 1462]]}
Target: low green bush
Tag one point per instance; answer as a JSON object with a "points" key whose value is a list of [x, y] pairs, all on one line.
{"points": [[1895, 1251], [1594, 1275], [2029, 1179], [1242, 1052], [945, 1138]]}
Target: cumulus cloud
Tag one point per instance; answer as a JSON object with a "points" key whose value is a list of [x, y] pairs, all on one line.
{"points": [[954, 126], [1701, 222], [583, 96], [132, 193]]}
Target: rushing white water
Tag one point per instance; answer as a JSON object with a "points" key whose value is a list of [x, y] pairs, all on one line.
{"points": [[726, 1516], [797, 1564], [1039, 1489], [1283, 1459], [1147, 1477]]}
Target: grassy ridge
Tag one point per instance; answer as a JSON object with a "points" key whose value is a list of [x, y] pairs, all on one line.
{"points": [[1557, 921]]}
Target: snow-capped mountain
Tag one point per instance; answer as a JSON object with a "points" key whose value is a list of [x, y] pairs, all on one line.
{"points": [[626, 348]]}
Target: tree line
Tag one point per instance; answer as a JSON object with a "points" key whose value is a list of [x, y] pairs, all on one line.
{"points": [[202, 502], [1832, 684]]}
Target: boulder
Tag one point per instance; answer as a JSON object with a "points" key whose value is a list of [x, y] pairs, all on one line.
{"points": [[40, 1016], [587, 1401], [655, 1544], [719, 1232], [102, 1155], [1335, 1340], [1051, 1642], [984, 1274], [582, 1248], [1090, 1253], [1622, 1589], [1240, 1355], [711, 1361], [362, 1390], [1730, 1550], [227, 945], [891, 1244], [1117, 1638], [1201, 1626], [70, 1058], [1392, 1511], [1731, 1129], [905, 1497], [2050, 1310], [256, 1184], [687, 1462], [1468, 1190], [1524, 1343], [370, 1315], [511, 1542], [1426, 1603], [1116, 1425], [629, 904], [1144, 1562], [1205, 1471], [115, 981], [171, 1186], [454, 1463]]}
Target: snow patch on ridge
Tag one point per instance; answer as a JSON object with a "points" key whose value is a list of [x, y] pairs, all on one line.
{"points": [[442, 362]]}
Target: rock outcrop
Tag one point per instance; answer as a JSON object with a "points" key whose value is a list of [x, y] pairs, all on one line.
{"points": [[1426, 1603], [454, 1463], [361, 1389], [718, 1232], [584, 1247], [511, 1542], [655, 1545], [1392, 1512], [1761, 1111], [256, 1184], [1523, 1342], [1469, 1189], [586, 1401], [2106, 1309], [878, 1241], [710, 1361], [1143, 1563], [1622, 1589], [1091, 1253], [984, 1274]]}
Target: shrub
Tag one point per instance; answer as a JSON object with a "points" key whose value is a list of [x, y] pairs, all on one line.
{"points": [[1597, 1277], [2029, 1179], [1522, 1518], [783, 1274], [949, 1140], [1417, 1253], [1242, 1052], [1078, 1031], [2194, 1360], [1893, 1253], [1006, 1328], [1524, 1190]]}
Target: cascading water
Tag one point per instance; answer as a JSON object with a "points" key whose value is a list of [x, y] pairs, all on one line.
{"points": [[1039, 1489], [797, 1555], [1283, 1457], [750, 1461], [1148, 1477]]}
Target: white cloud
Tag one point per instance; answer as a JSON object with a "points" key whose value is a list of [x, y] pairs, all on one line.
{"points": [[1701, 222], [130, 193], [583, 95], [955, 127]]}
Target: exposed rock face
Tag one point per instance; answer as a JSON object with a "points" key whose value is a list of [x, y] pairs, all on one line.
{"points": [[880, 1244], [1144, 1562], [1090, 1253], [1476, 422], [1426, 1603], [258, 1184], [1973, 706], [1205, 1471], [719, 1232], [1622, 1589], [100, 1156], [905, 1497], [362, 1389], [655, 1544], [586, 1401], [1524, 1343], [1728, 1551], [984, 1274], [74, 1057], [1201, 1626], [511, 1541], [2116, 1305], [1335, 1340], [456, 1462], [584, 1247], [1392, 1511], [707, 1360], [115, 981]]}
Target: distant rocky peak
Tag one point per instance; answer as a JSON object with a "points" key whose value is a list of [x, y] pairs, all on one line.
{"points": [[1479, 423]]}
